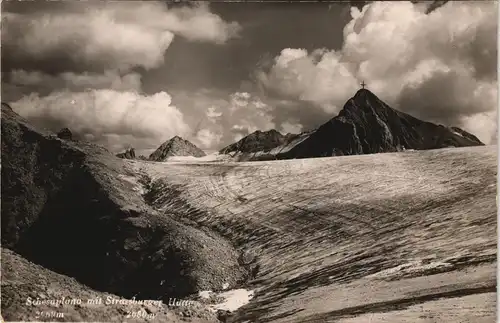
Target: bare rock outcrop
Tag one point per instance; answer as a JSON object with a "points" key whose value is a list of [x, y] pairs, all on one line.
{"points": [[73, 208], [65, 134], [127, 154], [257, 141]]}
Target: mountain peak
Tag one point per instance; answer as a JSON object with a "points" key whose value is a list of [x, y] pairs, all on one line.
{"points": [[364, 96], [365, 102], [367, 125], [176, 138], [176, 146], [363, 92], [256, 141]]}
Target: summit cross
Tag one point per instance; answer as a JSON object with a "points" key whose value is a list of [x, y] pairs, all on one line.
{"points": [[363, 84]]}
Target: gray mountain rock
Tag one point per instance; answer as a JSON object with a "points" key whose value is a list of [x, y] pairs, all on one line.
{"points": [[176, 146], [73, 208], [128, 154], [65, 134], [365, 125]]}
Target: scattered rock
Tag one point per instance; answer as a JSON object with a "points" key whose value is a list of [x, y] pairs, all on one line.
{"points": [[128, 154], [65, 134], [22, 279]]}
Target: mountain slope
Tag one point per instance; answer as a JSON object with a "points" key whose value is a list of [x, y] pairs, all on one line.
{"points": [[365, 125], [256, 141], [70, 205], [398, 237], [176, 146]]}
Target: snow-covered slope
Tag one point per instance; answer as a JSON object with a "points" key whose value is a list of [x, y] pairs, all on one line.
{"points": [[396, 237]]}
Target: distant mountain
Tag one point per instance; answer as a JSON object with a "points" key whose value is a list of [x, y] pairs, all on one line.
{"points": [[365, 125], [176, 147], [257, 141], [263, 145]]}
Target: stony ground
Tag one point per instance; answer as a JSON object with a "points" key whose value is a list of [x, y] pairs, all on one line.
{"points": [[400, 237], [22, 279]]}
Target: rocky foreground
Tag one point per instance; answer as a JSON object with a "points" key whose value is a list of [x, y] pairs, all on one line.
{"points": [[71, 208], [25, 284]]}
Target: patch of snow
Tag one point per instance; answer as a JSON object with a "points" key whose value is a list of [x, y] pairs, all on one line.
{"points": [[205, 294], [133, 180], [232, 299]]}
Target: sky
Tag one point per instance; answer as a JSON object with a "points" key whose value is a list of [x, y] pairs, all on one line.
{"points": [[135, 74]]}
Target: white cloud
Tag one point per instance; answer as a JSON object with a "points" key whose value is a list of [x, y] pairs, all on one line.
{"points": [[213, 113], [239, 99], [110, 35], [114, 119], [83, 57], [288, 127], [207, 139], [439, 66], [222, 117]]}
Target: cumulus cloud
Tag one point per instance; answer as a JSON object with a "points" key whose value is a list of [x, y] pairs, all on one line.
{"points": [[224, 118], [106, 35], [118, 120], [439, 66], [77, 66]]}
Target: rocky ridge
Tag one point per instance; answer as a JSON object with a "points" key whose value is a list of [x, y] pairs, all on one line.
{"points": [[68, 206], [365, 125], [127, 154], [257, 141]]}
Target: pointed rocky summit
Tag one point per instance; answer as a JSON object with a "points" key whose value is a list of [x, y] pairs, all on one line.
{"points": [[365, 125], [176, 147]]}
